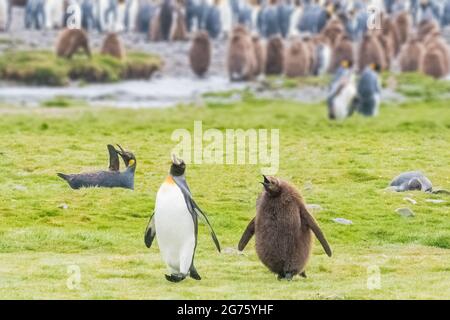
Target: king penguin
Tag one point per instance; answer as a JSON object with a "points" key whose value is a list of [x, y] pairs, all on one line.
{"points": [[175, 224]]}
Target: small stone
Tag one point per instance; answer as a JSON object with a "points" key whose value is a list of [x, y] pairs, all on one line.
{"points": [[436, 201], [232, 251], [411, 200], [343, 221], [314, 207], [308, 185], [63, 206], [19, 187], [405, 212]]}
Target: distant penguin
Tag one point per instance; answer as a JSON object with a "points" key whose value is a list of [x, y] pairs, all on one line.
{"points": [[411, 56], [146, 11], [70, 41], [200, 53], [270, 23], [154, 30], [389, 28], [427, 27], [410, 181], [311, 47], [388, 51], [88, 16], [371, 52], [369, 91], [435, 41], [285, 10], [35, 14], [213, 20], [274, 56], [433, 64], [342, 93], [343, 51], [131, 15], [112, 178], [333, 31], [259, 55], [175, 224], [166, 19], [404, 23], [113, 46], [178, 31], [241, 58], [5, 15], [294, 20], [283, 229], [323, 54], [297, 62]]}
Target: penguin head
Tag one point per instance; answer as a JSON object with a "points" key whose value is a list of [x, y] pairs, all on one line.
{"points": [[128, 158], [178, 166], [272, 186]]}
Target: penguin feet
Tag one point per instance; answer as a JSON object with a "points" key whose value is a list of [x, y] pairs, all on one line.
{"points": [[286, 276], [175, 277], [303, 275]]}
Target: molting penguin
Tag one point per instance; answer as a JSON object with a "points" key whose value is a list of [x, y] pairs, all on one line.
{"points": [[70, 40], [403, 22], [369, 91], [282, 228], [342, 93], [200, 53], [178, 31], [113, 46], [112, 178], [175, 224], [274, 56]]}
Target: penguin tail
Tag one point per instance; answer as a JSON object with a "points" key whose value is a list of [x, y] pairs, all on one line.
{"points": [[63, 176]]}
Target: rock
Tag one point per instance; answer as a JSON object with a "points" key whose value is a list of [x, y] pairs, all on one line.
{"points": [[19, 187], [411, 200], [343, 221], [435, 201], [231, 251], [63, 206], [405, 212], [314, 207]]}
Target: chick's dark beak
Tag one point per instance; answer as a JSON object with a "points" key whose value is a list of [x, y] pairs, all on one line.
{"points": [[266, 182]]}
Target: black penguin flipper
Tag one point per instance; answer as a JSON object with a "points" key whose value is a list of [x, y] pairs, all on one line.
{"points": [[204, 218], [193, 208], [312, 224], [150, 232], [114, 164], [247, 235]]}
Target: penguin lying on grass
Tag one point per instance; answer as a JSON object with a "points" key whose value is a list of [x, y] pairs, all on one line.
{"points": [[413, 180], [175, 224], [107, 179]]}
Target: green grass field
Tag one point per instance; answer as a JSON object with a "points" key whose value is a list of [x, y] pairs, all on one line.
{"points": [[344, 167]]}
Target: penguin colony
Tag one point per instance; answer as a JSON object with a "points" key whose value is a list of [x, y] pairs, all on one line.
{"points": [[333, 31]]}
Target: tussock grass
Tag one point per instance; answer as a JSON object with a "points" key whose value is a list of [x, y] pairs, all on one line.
{"points": [[44, 68], [342, 166]]}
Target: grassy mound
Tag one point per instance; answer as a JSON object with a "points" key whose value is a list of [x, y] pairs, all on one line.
{"points": [[44, 68]]}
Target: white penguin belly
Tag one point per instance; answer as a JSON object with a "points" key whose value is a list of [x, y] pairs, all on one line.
{"points": [[175, 230], [343, 100]]}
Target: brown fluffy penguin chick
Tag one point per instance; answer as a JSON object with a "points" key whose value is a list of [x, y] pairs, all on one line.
{"points": [[200, 53], [241, 58], [113, 46], [371, 52], [283, 230], [387, 48], [259, 55], [436, 42], [297, 60], [389, 28], [404, 25], [433, 64], [275, 56], [427, 27], [333, 30], [343, 51], [70, 41], [411, 56]]}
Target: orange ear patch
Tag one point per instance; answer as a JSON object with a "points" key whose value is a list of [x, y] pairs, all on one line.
{"points": [[169, 180]]}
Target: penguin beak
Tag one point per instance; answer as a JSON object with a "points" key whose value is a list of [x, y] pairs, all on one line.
{"points": [[266, 182], [121, 152], [175, 160]]}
